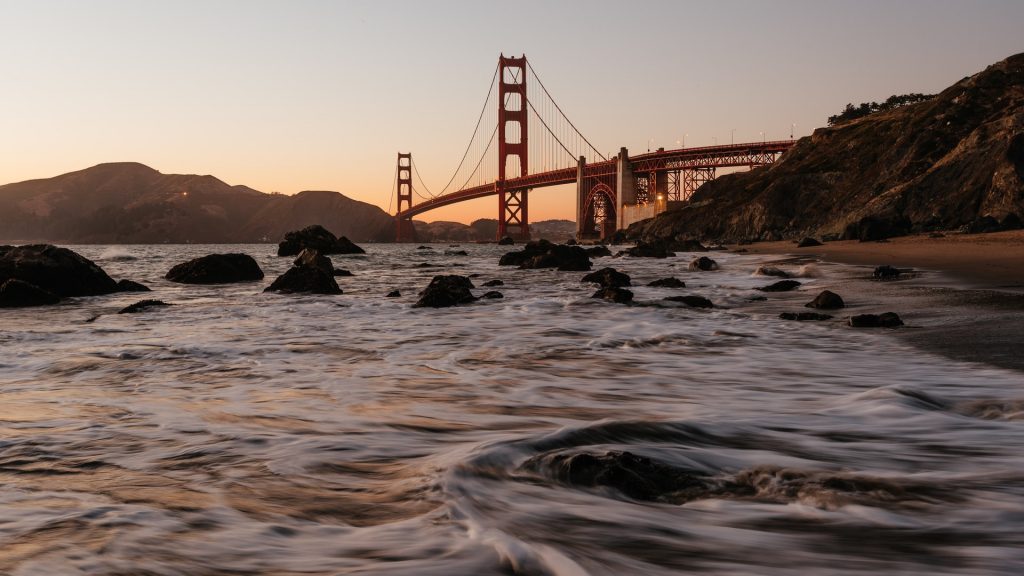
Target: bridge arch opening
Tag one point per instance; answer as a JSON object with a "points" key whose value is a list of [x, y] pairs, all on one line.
{"points": [[599, 212]]}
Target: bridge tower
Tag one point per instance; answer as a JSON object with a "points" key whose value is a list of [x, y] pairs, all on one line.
{"points": [[513, 216], [403, 184]]}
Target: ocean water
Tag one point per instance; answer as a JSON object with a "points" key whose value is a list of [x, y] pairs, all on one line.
{"points": [[237, 432]]}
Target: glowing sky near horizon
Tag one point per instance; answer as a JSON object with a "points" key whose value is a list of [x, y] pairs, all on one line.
{"points": [[320, 95]]}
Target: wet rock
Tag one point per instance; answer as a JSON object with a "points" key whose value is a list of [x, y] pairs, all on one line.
{"points": [[808, 243], [506, 241], [571, 242], [780, 286], [608, 278], [886, 273], [804, 316], [491, 283], [493, 294], [58, 271], [445, 291], [427, 265], [424, 248], [614, 294], [884, 320], [597, 251], [318, 238], [456, 253], [703, 264], [671, 282], [129, 286], [304, 280], [691, 301], [771, 271], [544, 254], [216, 269], [311, 258], [634, 476], [141, 306], [339, 272], [649, 250], [16, 293], [394, 294], [826, 300]]}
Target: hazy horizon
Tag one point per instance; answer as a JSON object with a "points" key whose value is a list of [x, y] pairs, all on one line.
{"points": [[321, 96]]}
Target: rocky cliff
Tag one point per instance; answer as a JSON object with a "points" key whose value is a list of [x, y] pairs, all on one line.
{"points": [[939, 164]]}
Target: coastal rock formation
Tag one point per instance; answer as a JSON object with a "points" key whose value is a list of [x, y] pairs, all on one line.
{"points": [[671, 282], [304, 280], [780, 286], [827, 300], [771, 271], [614, 294], [216, 269], [445, 291], [544, 254], [311, 258], [56, 270], [16, 293], [318, 238], [129, 286], [884, 320], [692, 301], [938, 164], [141, 306], [703, 264], [649, 250], [608, 278]]}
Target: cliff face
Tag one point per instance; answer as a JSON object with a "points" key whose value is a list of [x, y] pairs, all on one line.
{"points": [[132, 203], [938, 164]]}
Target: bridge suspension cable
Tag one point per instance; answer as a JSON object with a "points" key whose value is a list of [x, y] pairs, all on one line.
{"points": [[570, 129]]}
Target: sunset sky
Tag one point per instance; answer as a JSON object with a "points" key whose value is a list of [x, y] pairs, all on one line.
{"points": [[300, 95]]}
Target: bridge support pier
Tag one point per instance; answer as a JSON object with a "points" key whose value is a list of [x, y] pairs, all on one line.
{"points": [[404, 228], [581, 196], [625, 186]]}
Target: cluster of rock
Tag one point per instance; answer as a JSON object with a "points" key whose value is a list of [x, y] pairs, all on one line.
{"points": [[544, 254], [311, 273], [43, 274], [451, 290], [318, 238]]}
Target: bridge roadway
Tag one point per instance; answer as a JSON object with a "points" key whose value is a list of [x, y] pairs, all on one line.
{"points": [[726, 156]]}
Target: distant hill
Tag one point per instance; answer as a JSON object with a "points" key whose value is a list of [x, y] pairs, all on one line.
{"points": [[486, 230], [127, 202], [937, 164]]}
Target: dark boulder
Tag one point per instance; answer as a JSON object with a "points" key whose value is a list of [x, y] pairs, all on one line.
{"points": [[311, 258], [771, 271], [424, 248], [703, 264], [394, 294], [608, 278], [216, 269], [56, 270], [506, 241], [826, 300], [885, 320], [886, 273], [339, 272], [318, 238], [16, 293], [691, 301], [649, 250], [780, 286], [129, 286], [875, 228], [304, 280], [687, 245], [571, 242], [597, 251], [491, 283], [141, 306], [668, 283], [614, 294], [456, 253], [634, 476], [493, 294], [444, 291], [544, 254], [804, 316], [808, 243]]}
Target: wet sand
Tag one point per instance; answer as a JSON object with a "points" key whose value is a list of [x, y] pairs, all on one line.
{"points": [[964, 298]]}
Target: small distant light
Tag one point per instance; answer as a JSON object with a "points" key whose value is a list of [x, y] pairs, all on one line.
{"points": [[661, 197], [184, 193]]}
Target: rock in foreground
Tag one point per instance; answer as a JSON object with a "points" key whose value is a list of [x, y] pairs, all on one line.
{"points": [[781, 286], [318, 238], [305, 280], [885, 320], [608, 278], [16, 293], [445, 291], [703, 264], [141, 306], [56, 270], [544, 254], [614, 294], [827, 300], [670, 282], [216, 269]]}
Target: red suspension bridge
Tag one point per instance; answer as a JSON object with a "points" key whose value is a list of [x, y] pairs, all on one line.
{"points": [[610, 192]]}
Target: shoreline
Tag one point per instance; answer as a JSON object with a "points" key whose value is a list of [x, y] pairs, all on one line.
{"points": [[963, 298]]}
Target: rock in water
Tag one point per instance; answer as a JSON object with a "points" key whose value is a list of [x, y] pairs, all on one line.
{"points": [[826, 300], [668, 283], [491, 283], [614, 294], [886, 273], [804, 316], [129, 286], [649, 250], [445, 291], [544, 254], [771, 271], [780, 286], [16, 293], [304, 280], [394, 294], [691, 301], [311, 258], [141, 306], [339, 272], [608, 278], [56, 270], [808, 243], [703, 264], [596, 251], [216, 269], [318, 238], [493, 294], [885, 320], [506, 241]]}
